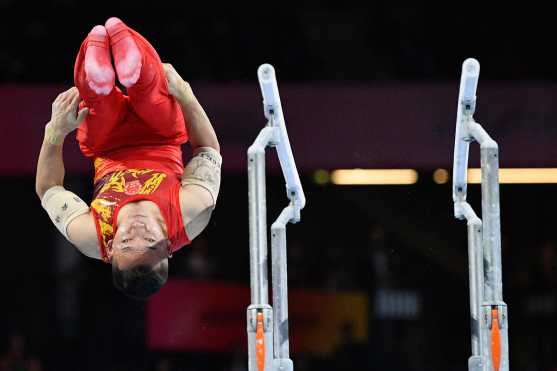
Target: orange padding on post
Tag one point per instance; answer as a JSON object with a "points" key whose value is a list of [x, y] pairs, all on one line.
{"points": [[260, 343], [495, 340]]}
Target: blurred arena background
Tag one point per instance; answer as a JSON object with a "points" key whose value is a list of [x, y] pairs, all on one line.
{"points": [[373, 86]]}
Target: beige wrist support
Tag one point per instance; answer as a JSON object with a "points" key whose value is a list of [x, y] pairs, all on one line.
{"points": [[63, 207], [204, 170]]}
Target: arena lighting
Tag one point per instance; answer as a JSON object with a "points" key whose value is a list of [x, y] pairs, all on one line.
{"points": [[518, 175], [441, 176], [374, 176], [321, 177]]}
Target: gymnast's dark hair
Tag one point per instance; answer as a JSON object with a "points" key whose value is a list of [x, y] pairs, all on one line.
{"points": [[139, 282]]}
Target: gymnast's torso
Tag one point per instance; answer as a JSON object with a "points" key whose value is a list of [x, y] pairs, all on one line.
{"points": [[117, 189]]}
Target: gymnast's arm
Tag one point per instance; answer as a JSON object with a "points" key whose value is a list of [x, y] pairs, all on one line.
{"points": [[68, 212], [201, 179]]}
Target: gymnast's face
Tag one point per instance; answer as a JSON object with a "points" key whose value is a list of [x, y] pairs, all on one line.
{"points": [[139, 239]]}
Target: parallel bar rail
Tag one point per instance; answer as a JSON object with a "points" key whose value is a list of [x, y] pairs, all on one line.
{"points": [[267, 327], [488, 312]]}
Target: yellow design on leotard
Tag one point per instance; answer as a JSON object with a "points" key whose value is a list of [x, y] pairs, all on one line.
{"points": [[152, 183], [103, 207], [111, 194]]}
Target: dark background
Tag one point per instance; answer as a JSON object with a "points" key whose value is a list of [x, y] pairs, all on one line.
{"points": [[397, 237], [306, 41]]}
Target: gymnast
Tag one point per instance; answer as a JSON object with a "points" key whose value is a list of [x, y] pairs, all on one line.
{"points": [[146, 205]]}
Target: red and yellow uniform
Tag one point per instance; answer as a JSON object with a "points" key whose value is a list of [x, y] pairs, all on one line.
{"points": [[134, 140], [118, 188]]}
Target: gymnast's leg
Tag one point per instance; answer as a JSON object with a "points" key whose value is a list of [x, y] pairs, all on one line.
{"points": [[94, 78], [140, 70]]}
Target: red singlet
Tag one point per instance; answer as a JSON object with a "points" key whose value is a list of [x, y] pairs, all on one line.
{"points": [[135, 142]]}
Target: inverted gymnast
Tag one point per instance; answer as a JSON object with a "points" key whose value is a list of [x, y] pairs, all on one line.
{"points": [[146, 205]]}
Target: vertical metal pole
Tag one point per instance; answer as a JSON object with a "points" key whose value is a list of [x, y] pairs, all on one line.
{"points": [[280, 283], [258, 230], [258, 217], [495, 310], [259, 313], [476, 362], [475, 246], [475, 259], [491, 221]]}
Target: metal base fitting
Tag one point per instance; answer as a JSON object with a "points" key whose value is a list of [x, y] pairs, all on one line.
{"points": [[476, 363], [283, 365], [260, 337]]}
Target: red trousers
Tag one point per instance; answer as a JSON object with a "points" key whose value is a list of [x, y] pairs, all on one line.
{"points": [[143, 128]]}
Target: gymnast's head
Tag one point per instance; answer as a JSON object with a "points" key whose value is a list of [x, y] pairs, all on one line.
{"points": [[139, 255]]}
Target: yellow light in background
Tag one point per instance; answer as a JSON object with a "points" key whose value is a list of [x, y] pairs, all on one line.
{"points": [[374, 176], [321, 177], [475, 176], [440, 176], [518, 176]]}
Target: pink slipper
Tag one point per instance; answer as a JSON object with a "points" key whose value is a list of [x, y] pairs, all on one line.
{"points": [[126, 53], [99, 73]]}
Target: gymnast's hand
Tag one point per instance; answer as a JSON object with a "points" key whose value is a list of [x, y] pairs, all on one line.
{"points": [[177, 87], [65, 117]]}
